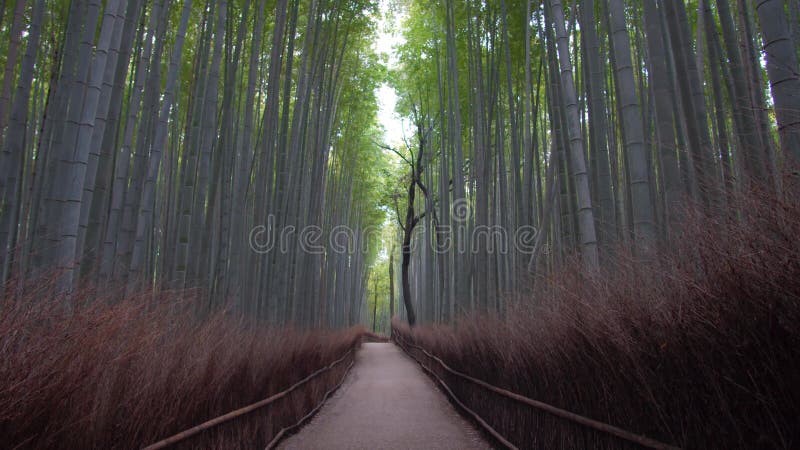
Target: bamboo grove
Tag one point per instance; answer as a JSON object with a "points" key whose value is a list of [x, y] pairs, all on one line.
{"points": [[155, 144], [230, 148], [592, 124]]}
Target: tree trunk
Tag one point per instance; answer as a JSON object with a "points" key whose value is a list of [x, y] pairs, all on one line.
{"points": [[410, 314], [692, 102], [15, 35], [145, 213], [588, 238], [783, 73], [391, 284], [633, 131], [14, 150], [598, 125]]}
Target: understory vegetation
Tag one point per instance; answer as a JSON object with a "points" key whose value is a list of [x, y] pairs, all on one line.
{"points": [[127, 375], [698, 349]]}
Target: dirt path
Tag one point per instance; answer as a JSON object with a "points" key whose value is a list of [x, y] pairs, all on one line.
{"points": [[387, 402]]}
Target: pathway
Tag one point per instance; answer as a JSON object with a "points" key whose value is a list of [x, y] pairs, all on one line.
{"points": [[386, 403]]}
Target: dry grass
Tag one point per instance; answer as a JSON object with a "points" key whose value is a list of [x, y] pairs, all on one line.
{"points": [[700, 349], [125, 375]]}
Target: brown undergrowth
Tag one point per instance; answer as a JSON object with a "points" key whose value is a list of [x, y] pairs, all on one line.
{"points": [[125, 375], [700, 349]]}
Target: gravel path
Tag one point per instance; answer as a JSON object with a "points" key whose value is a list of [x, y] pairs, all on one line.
{"points": [[386, 403]]}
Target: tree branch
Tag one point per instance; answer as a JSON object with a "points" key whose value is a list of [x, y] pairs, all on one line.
{"points": [[417, 219], [397, 215], [422, 187], [393, 150]]}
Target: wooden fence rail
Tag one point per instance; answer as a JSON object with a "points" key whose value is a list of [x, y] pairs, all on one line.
{"points": [[186, 434], [629, 436]]}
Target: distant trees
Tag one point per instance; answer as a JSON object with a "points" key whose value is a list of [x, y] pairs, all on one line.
{"points": [[145, 140], [594, 122]]}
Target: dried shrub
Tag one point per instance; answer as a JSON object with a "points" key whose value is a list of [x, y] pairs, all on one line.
{"points": [[123, 375], [698, 349]]}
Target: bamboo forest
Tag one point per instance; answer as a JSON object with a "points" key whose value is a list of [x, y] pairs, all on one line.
{"points": [[399, 224]]}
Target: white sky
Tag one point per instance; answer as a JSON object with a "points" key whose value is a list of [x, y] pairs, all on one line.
{"points": [[389, 37]]}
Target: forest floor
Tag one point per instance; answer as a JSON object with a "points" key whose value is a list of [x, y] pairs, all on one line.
{"points": [[387, 402]]}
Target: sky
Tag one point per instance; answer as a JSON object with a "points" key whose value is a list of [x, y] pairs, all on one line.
{"points": [[388, 37]]}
